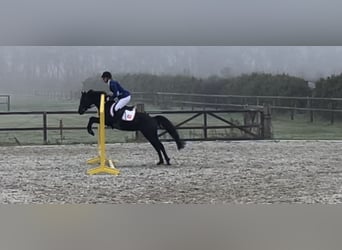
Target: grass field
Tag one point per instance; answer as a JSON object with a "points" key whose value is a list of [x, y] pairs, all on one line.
{"points": [[283, 127], [302, 129]]}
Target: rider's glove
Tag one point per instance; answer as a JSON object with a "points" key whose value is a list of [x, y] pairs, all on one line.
{"points": [[109, 98]]}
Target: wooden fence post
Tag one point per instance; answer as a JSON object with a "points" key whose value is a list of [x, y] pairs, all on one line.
{"points": [[61, 129], [8, 103], [293, 110], [45, 128], [205, 124], [267, 122], [155, 99], [332, 118], [309, 105]]}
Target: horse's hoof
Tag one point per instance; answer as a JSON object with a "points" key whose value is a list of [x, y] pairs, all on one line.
{"points": [[160, 163]]}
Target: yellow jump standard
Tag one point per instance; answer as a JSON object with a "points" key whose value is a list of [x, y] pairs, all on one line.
{"points": [[102, 158]]}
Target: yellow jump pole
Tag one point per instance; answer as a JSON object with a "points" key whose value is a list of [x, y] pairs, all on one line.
{"points": [[102, 158]]}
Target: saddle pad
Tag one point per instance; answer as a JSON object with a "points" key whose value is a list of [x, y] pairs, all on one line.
{"points": [[128, 115]]}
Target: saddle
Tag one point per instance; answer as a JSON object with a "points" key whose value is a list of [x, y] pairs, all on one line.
{"points": [[127, 113]]}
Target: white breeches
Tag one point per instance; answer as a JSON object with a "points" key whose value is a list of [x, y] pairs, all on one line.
{"points": [[120, 104]]}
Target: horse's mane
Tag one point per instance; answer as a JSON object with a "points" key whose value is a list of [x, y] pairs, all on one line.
{"points": [[95, 92]]}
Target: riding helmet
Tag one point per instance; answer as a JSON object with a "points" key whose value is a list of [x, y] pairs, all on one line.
{"points": [[106, 74]]}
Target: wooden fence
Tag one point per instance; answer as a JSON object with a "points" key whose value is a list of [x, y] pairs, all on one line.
{"points": [[328, 108], [256, 125], [5, 100]]}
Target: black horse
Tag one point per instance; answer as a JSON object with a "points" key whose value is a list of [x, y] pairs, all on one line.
{"points": [[142, 122]]}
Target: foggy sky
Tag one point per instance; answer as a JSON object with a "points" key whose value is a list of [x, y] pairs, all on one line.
{"points": [[66, 67], [176, 22]]}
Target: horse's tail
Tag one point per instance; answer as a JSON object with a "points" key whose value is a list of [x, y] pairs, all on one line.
{"points": [[163, 122]]}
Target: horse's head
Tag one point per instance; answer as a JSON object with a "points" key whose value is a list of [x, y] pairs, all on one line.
{"points": [[89, 99], [85, 102]]}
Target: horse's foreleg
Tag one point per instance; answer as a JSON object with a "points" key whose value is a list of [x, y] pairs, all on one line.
{"points": [[90, 124]]}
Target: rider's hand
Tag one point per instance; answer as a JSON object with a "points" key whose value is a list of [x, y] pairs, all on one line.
{"points": [[111, 99], [108, 98]]}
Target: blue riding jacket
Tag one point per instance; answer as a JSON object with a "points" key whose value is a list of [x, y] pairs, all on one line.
{"points": [[118, 90]]}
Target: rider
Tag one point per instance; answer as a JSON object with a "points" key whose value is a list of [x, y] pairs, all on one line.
{"points": [[119, 92]]}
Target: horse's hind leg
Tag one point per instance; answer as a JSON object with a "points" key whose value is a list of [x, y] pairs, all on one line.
{"points": [[161, 148], [152, 137], [164, 152]]}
